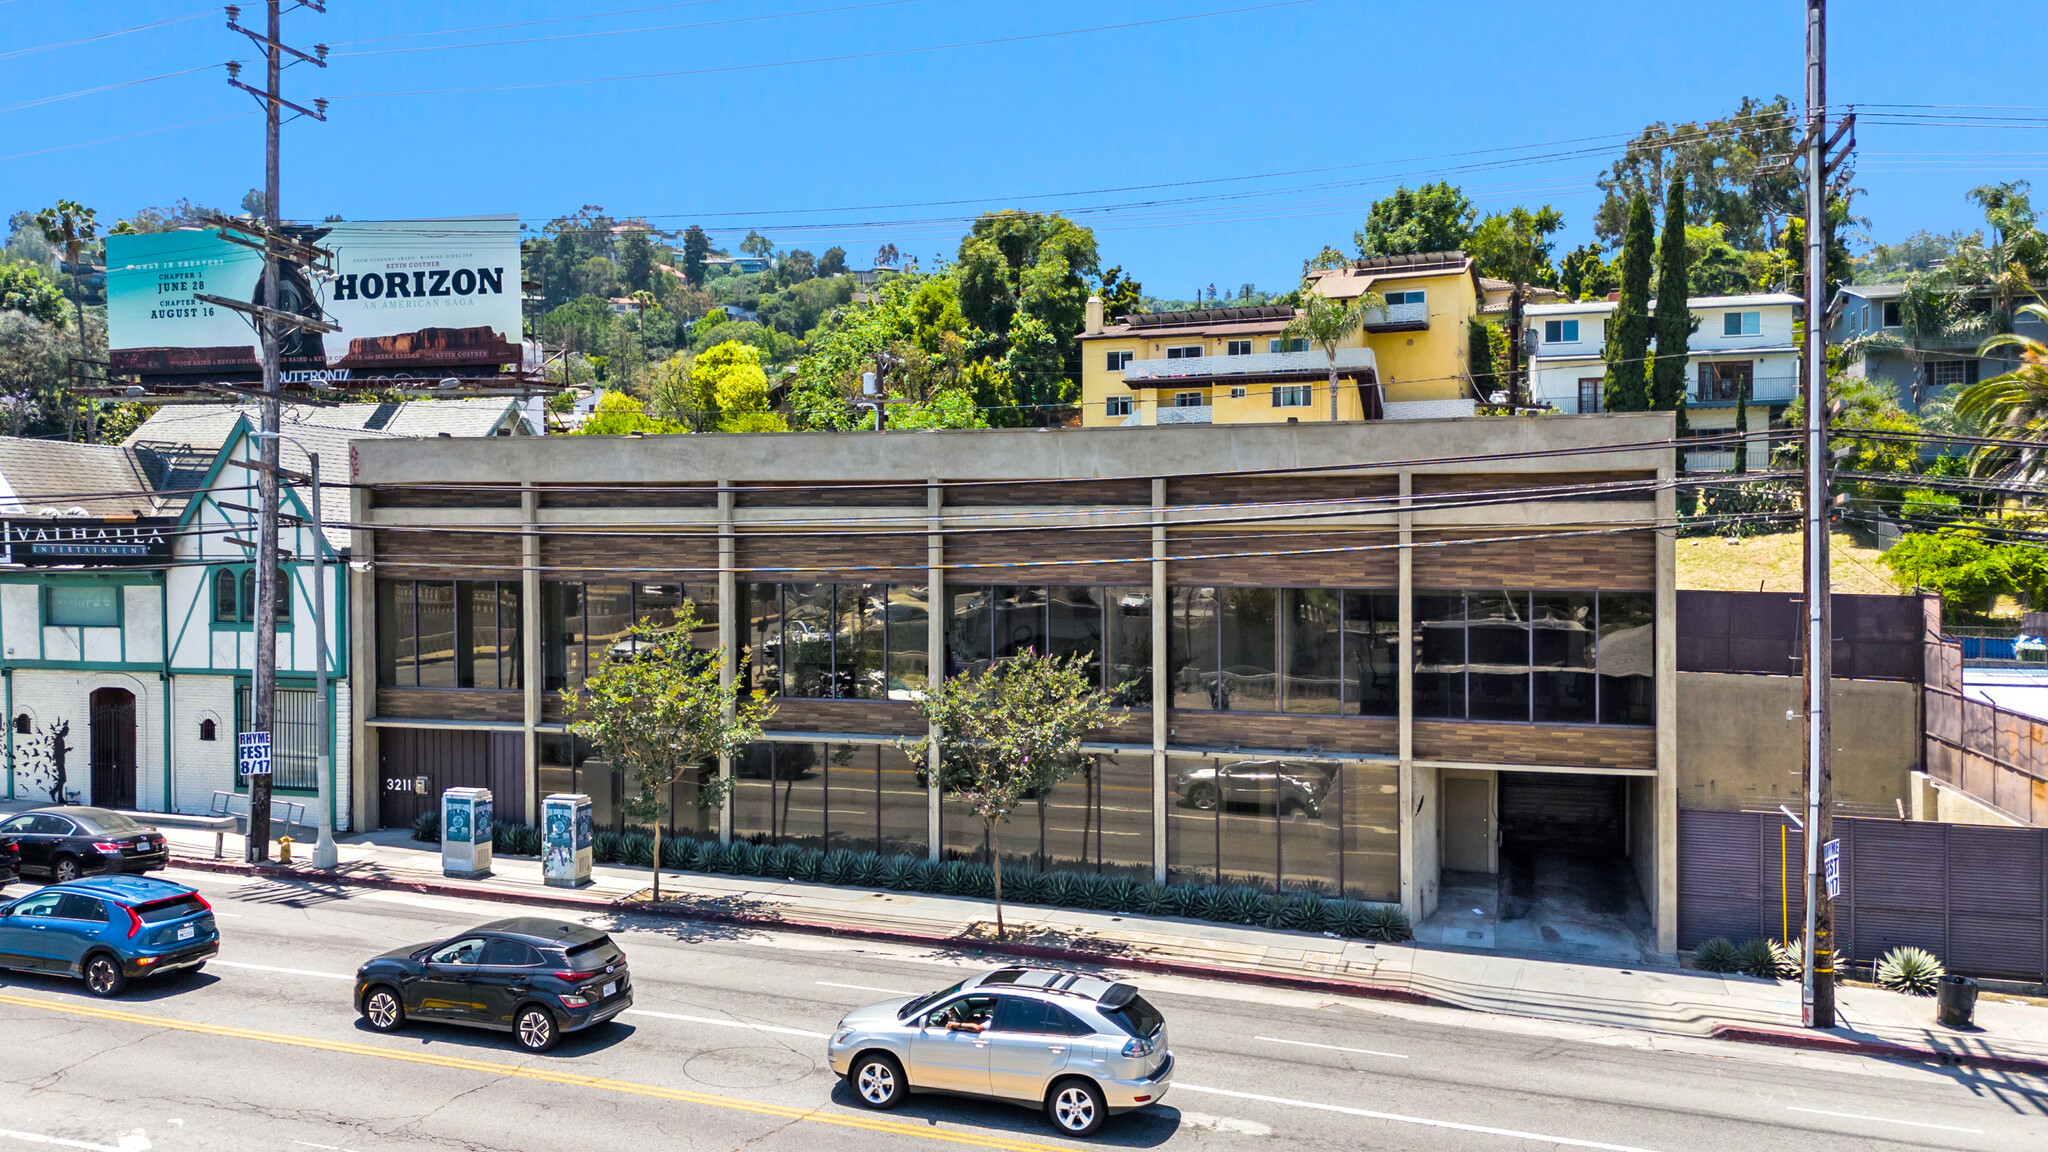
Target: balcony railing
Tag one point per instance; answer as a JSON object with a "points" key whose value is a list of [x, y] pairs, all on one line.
{"points": [[1397, 314], [1139, 372], [1769, 390], [1187, 414]]}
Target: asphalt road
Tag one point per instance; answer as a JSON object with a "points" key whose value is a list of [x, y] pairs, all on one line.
{"points": [[725, 1050]]}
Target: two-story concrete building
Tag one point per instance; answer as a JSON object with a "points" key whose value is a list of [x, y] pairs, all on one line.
{"points": [[1742, 346], [1240, 366]]}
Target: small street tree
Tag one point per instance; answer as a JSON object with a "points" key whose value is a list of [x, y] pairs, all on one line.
{"points": [[1674, 321], [659, 712], [1008, 733], [1628, 334], [1325, 321]]}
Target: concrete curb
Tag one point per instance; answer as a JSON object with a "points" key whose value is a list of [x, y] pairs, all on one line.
{"points": [[569, 899], [1851, 1046]]}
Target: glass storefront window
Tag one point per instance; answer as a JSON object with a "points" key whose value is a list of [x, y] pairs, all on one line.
{"points": [[1440, 655], [396, 635], [1248, 669], [1372, 649], [1020, 620], [1561, 630], [1628, 659], [1127, 637], [1076, 626], [436, 617], [1284, 825], [1497, 643], [1191, 648], [855, 797], [1314, 639], [561, 635], [1099, 819], [907, 614], [970, 629], [857, 634]]}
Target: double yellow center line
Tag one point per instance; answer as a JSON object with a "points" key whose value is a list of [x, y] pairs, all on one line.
{"points": [[546, 1075]]}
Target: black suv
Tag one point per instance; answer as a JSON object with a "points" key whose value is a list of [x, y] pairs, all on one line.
{"points": [[531, 976], [62, 844]]}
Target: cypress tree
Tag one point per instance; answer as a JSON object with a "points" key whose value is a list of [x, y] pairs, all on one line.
{"points": [[1741, 427], [1674, 322], [1628, 332]]}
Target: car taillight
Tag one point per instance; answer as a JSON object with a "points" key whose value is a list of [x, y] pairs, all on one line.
{"points": [[1135, 1048], [569, 1001], [202, 902], [574, 977], [134, 922], [108, 845]]}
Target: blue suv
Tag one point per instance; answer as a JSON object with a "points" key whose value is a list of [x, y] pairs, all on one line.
{"points": [[108, 930]]}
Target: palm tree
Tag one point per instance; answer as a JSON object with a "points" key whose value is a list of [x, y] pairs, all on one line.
{"points": [[2016, 402], [1325, 322]]}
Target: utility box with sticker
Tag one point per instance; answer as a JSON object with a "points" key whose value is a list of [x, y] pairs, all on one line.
{"points": [[565, 839], [466, 833]]}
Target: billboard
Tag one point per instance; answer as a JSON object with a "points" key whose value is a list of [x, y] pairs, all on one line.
{"points": [[414, 299]]}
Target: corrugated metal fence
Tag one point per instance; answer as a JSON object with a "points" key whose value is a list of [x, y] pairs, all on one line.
{"points": [[1977, 897], [1999, 757]]}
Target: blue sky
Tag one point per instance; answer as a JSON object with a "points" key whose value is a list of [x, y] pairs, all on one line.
{"points": [[1238, 143]]}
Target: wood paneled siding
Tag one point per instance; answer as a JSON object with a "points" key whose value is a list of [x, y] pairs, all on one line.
{"points": [[1368, 734], [757, 494], [451, 704], [876, 717], [443, 554], [1281, 489], [1064, 494], [1536, 744], [629, 496], [686, 553], [1051, 556], [895, 557], [1434, 483], [1362, 558], [463, 496], [1604, 561]]}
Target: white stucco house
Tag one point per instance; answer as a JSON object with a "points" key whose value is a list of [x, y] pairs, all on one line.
{"points": [[1742, 345]]}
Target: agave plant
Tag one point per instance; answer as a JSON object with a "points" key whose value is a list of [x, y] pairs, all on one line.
{"points": [[604, 848], [783, 861], [895, 873], [1063, 890], [1715, 955], [1914, 971], [1303, 912], [713, 857], [867, 869], [925, 875], [953, 878], [840, 868], [1788, 959], [978, 880], [637, 849], [1097, 891], [1024, 885], [1756, 958], [427, 828], [1246, 906], [1156, 900], [1211, 902], [1125, 894], [1387, 923], [1347, 918], [676, 852]]}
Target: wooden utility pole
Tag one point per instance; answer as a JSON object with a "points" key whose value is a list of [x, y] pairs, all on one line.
{"points": [[263, 705], [1817, 991]]}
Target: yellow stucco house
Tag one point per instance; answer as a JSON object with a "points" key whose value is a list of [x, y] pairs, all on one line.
{"points": [[1237, 366]]}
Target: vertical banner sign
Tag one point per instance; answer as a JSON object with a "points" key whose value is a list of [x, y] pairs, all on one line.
{"points": [[252, 754], [1831, 867]]}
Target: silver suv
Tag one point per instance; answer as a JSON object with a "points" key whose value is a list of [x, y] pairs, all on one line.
{"points": [[1082, 1048]]}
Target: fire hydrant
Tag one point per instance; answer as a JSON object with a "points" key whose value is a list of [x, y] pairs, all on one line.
{"points": [[284, 849]]}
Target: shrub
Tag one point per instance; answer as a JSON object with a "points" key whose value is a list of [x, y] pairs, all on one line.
{"points": [[1097, 891], [427, 828], [867, 869], [1125, 894], [676, 852], [1211, 902], [1303, 912], [1387, 923], [1788, 959], [1244, 906], [925, 875], [895, 873], [840, 868], [1024, 885], [953, 878], [978, 880], [714, 857], [1715, 955], [1063, 890], [810, 866], [1756, 958], [1914, 971], [1347, 918], [1156, 900], [605, 848], [636, 849]]}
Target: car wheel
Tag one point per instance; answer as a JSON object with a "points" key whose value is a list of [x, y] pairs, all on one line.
{"points": [[878, 1081], [535, 1028], [64, 870], [1076, 1107], [1203, 796], [103, 975], [383, 1011]]}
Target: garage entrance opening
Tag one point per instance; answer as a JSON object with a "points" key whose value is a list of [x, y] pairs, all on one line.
{"points": [[1566, 883]]}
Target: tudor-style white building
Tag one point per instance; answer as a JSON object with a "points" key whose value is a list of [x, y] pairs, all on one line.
{"points": [[127, 604], [1741, 346]]}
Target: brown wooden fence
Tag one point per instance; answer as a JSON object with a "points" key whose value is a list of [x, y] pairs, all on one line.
{"points": [[1975, 896], [1997, 756]]}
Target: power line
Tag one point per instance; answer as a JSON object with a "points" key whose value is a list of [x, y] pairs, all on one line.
{"points": [[633, 31], [526, 23], [107, 35]]}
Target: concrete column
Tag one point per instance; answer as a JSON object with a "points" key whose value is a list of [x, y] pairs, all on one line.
{"points": [[936, 620], [1162, 688], [366, 774], [729, 608], [529, 627], [1421, 855], [1664, 903]]}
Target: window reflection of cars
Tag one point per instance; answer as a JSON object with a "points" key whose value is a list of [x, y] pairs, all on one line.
{"points": [[1237, 680], [1285, 787]]}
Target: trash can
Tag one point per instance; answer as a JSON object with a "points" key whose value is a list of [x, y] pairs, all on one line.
{"points": [[466, 833], [1955, 1001], [565, 840]]}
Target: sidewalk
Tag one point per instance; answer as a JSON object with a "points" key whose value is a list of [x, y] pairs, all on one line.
{"points": [[2011, 1035]]}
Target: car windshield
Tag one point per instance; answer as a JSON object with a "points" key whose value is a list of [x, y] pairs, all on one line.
{"points": [[919, 1004], [112, 822], [1138, 1017]]}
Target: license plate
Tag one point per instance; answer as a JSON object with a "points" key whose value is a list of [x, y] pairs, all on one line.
{"points": [[611, 987], [187, 932]]}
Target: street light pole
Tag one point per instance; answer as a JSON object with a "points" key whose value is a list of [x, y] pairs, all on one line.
{"points": [[264, 690], [324, 854]]}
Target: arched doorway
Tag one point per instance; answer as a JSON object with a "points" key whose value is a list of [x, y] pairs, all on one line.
{"points": [[113, 748]]}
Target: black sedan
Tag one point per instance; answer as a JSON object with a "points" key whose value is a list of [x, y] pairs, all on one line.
{"points": [[10, 861], [63, 844], [531, 976]]}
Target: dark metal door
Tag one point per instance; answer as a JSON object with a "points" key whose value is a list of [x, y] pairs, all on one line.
{"points": [[113, 748], [415, 765]]}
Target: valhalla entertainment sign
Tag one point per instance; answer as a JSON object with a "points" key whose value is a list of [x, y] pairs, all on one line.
{"points": [[91, 543]]}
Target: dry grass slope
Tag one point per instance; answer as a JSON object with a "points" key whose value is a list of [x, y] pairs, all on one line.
{"points": [[1772, 564]]}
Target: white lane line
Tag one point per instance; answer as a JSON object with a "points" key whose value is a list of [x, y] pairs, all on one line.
{"points": [[38, 1138], [865, 988], [1424, 1121], [727, 1023], [1883, 1120], [286, 971], [1331, 1047]]}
